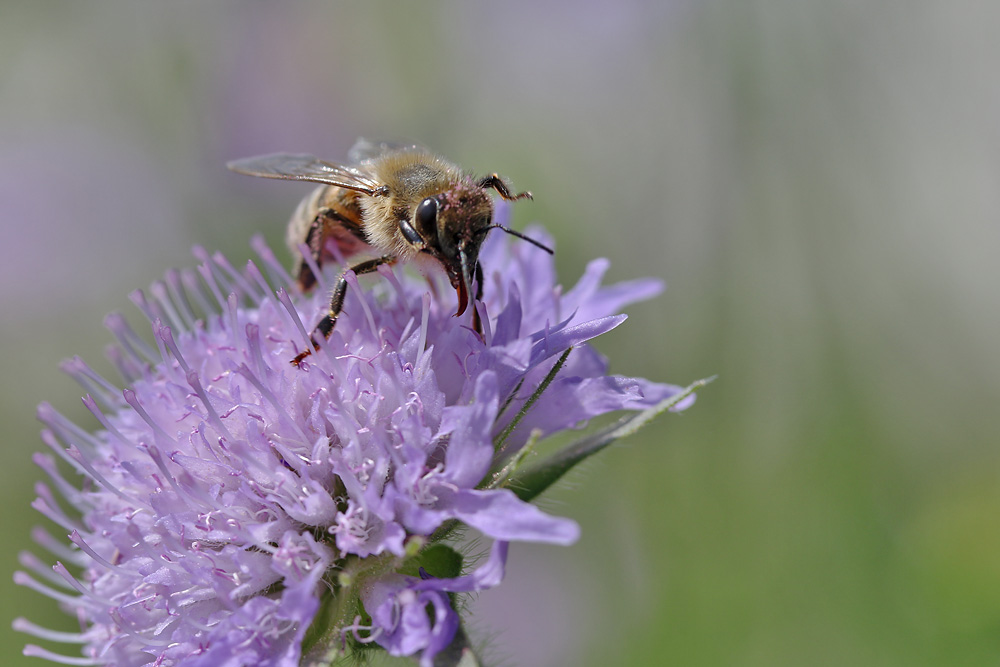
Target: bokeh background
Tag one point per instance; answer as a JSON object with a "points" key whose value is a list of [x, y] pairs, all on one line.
{"points": [[817, 181]]}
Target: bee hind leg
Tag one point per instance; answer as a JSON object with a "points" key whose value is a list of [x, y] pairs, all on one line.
{"points": [[325, 326]]}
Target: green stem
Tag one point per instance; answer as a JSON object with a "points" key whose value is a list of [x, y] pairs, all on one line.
{"points": [[531, 401]]}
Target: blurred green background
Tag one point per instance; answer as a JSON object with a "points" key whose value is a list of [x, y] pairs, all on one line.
{"points": [[818, 182]]}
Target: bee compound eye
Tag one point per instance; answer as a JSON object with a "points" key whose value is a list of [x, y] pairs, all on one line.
{"points": [[426, 217]]}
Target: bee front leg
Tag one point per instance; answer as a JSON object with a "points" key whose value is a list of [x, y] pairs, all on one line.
{"points": [[325, 326], [476, 323], [494, 181]]}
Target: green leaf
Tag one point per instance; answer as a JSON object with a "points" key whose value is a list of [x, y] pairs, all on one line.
{"points": [[438, 560], [532, 481]]}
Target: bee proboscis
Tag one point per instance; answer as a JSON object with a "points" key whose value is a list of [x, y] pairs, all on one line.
{"points": [[401, 203]]}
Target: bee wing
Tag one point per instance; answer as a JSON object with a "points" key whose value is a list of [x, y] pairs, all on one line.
{"points": [[300, 167], [365, 150]]}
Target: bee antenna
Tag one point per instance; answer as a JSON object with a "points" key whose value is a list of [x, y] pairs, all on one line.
{"points": [[520, 236]]}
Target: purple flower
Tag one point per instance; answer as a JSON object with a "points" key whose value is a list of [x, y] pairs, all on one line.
{"points": [[228, 496]]}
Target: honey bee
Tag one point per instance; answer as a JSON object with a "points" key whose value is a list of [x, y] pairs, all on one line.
{"points": [[401, 203]]}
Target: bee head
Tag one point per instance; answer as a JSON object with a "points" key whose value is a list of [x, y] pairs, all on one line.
{"points": [[450, 226]]}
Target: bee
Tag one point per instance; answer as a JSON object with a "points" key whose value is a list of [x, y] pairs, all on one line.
{"points": [[400, 203]]}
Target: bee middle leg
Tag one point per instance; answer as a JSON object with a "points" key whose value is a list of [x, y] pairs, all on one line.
{"points": [[315, 239], [325, 326], [326, 219]]}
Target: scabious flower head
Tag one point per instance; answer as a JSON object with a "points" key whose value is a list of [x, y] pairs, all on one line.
{"points": [[237, 510]]}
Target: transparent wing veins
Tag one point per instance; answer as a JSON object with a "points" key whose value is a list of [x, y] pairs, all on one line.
{"points": [[365, 150], [302, 167]]}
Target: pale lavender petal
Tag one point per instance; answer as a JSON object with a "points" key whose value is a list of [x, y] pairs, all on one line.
{"points": [[503, 516], [470, 447]]}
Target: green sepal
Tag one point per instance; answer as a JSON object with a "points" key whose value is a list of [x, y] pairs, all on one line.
{"points": [[531, 481], [320, 625], [438, 560], [340, 604]]}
